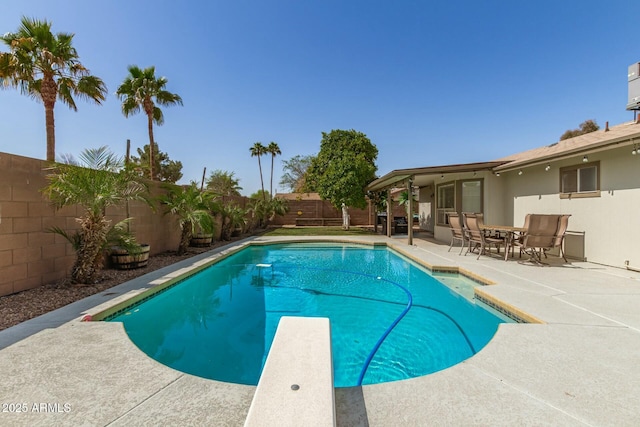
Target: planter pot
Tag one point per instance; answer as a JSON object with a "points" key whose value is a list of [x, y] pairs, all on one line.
{"points": [[201, 240], [123, 260]]}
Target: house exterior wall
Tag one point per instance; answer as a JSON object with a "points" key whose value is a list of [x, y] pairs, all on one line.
{"points": [[607, 224], [426, 208], [493, 205]]}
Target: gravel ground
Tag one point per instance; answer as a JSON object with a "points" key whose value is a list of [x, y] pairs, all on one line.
{"points": [[25, 305]]}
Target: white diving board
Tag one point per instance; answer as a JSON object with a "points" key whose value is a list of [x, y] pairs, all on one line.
{"points": [[296, 385]]}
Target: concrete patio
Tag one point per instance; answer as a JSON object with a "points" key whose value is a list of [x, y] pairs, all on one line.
{"points": [[579, 368]]}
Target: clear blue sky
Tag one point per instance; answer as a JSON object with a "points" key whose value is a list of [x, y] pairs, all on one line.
{"points": [[429, 82]]}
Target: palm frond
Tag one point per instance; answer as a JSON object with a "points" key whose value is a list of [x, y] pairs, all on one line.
{"points": [[75, 239]]}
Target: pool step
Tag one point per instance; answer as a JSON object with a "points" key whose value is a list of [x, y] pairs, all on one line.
{"points": [[296, 385]]}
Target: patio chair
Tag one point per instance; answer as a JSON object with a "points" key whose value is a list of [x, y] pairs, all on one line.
{"points": [[518, 240], [558, 242], [477, 236], [540, 236], [457, 231]]}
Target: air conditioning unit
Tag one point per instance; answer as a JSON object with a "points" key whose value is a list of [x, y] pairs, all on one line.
{"points": [[634, 87]]}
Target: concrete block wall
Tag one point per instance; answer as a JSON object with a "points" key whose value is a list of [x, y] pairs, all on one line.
{"points": [[30, 255]]}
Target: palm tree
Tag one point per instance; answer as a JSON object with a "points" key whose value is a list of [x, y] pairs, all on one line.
{"points": [[100, 183], [259, 150], [265, 211], [223, 183], [141, 90], [274, 150], [191, 206], [233, 216], [46, 67]]}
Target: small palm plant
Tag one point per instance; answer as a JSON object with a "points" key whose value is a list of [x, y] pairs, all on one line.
{"points": [[233, 216], [101, 181], [192, 208], [403, 200], [265, 211]]}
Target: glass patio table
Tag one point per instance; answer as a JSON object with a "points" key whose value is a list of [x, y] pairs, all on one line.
{"points": [[507, 231]]}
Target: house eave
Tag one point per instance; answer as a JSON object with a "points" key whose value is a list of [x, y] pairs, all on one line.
{"points": [[399, 176]]}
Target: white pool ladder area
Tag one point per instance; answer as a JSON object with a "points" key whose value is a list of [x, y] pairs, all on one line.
{"points": [[296, 385]]}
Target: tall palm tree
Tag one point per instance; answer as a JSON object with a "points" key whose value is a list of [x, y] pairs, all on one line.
{"points": [[46, 67], [141, 90], [274, 150], [259, 150]]}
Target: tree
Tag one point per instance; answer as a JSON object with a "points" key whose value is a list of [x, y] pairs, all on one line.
{"points": [[379, 201], [274, 150], [223, 183], [141, 90], [164, 169], [585, 127], [192, 208], [259, 150], [260, 195], [295, 173], [343, 168], [403, 199], [46, 67], [101, 183]]}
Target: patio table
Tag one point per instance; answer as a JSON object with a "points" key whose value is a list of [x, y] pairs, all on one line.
{"points": [[508, 232]]}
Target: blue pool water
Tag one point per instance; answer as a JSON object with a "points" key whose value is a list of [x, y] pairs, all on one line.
{"points": [[219, 323]]}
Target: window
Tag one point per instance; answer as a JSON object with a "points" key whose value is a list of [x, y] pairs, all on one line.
{"points": [[471, 196], [458, 196], [446, 202], [580, 181]]}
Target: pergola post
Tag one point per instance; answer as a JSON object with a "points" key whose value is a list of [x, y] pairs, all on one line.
{"points": [[389, 217], [410, 211]]}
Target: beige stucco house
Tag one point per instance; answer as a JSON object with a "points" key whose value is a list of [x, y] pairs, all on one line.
{"points": [[594, 177]]}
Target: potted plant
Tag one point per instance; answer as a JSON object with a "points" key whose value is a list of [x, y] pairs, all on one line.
{"points": [[192, 208], [129, 256], [95, 183], [233, 220]]}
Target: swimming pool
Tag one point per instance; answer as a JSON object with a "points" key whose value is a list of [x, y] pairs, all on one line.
{"points": [[219, 323]]}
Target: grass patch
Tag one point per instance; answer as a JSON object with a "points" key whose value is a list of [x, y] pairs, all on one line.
{"points": [[318, 231]]}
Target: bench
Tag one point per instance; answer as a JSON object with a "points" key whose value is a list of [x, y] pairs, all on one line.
{"points": [[296, 384], [319, 222]]}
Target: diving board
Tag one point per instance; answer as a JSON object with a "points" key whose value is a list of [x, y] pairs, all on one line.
{"points": [[296, 385]]}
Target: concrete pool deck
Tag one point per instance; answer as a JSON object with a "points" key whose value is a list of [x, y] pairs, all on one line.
{"points": [[580, 367]]}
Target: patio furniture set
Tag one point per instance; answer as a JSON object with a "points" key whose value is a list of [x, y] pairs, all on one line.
{"points": [[539, 234]]}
